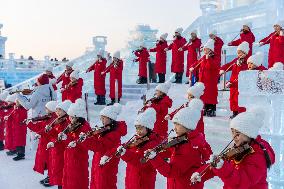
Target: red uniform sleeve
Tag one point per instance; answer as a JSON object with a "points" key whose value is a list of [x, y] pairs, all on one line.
{"points": [[236, 42], [228, 67]]}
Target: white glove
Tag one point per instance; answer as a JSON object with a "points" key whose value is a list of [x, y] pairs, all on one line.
{"points": [[72, 144], [62, 136], [82, 136], [50, 145], [104, 160], [191, 69], [121, 150], [221, 72], [261, 44], [180, 49], [228, 84], [152, 155], [167, 117], [37, 136], [281, 33], [195, 177], [166, 49]]}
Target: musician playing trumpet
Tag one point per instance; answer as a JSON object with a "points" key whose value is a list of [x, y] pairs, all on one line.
{"points": [[245, 164]]}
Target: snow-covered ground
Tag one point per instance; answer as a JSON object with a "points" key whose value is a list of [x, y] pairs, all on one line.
{"points": [[19, 175]]}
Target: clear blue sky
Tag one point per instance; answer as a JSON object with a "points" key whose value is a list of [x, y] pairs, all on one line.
{"points": [[65, 27]]}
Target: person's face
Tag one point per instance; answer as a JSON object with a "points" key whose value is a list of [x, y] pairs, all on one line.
{"points": [[17, 103], [251, 66], [241, 54], [277, 28], [115, 59], [207, 51], [158, 93], [68, 68], [239, 138], [48, 72], [246, 28], [177, 34], [179, 129], [99, 56], [141, 130], [73, 79], [105, 120], [190, 96], [161, 39], [193, 35], [59, 112], [212, 36]]}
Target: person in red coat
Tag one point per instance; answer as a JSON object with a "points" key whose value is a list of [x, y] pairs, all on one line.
{"points": [[38, 126], [56, 149], [74, 88], [245, 35], [192, 148], [208, 74], [255, 62], [65, 79], [161, 57], [276, 41], [142, 55], [52, 78], [248, 170], [161, 103], [236, 66], [3, 96], [115, 78], [218, 44], [104, 170], [193, 52], [140, 175], [99, 79], [177, 66]]}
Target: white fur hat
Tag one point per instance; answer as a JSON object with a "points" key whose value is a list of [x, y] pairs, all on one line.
{"points": [[209, 44], [116, 54], [11, 98], [277, 66], [280, 23], [194, 31], [49, 68], [179, 30], [248, 24], [100, 53], [187, 117], [70, 64], [78, 109], [51, 105], [256, 59], [249, 122], [244, 46], [164, 36], [4, 95], [64, 105], [111, 111], [75, 74], [196, 104], [164, 87], [197, 90], [214, 32], [147, 118]]}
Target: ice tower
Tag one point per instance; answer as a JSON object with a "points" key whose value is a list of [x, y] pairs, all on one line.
{"points": [[2, 43]]}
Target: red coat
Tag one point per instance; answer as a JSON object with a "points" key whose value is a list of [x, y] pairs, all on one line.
{"points": [[74, 92], [185, 159], [248, 37], [51, 77], [161, 57], [140, 175], [2, 125], [19, 129], [99, 80], [234, 93], [65, 78], [193, 49], [75, 172], [41, 158], [276, 48], [143, 59], [261, 68], [218, 49], [200, 124], [177, 56], [115, 74], [105, 177], [9, 142], [250, 173], [56, 155]]}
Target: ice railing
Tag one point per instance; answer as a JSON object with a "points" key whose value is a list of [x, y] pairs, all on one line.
{"points": [[266, 89]]}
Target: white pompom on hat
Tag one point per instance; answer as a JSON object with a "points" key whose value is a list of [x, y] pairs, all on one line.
{"points": [[70, 64], [278, 66], [111, 112], [209, 44], [100, 53], [78, 109], [248, 24], [256, 59], [49, 69], [163, 87], [51, 105], [4, 95], [164, 36], [280, 23], [75, 74], [179, 30], [146, 118], [187, 117], [194, 31], [244, 46], [11, 98], [116, 54], [197, 90], [196, 104], [249, 122], [64, 105]]}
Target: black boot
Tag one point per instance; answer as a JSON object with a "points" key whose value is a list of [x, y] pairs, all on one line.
{"points": [[161, 78], [103, 100], [44, 180], [180, 78], [211, 110], [235, 113], [1, 145], [11, 153], [98, 100], [144, 80], [112, 102], [46, 183], [59, 187], [20, 153]]}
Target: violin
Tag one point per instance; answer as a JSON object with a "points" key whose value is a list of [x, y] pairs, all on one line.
{"points": [[56, 121], [71, 84], [35, 119], [6, 107], [24, 92], [165, 145]]}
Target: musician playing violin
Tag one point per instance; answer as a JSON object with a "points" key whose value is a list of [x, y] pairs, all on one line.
{"points": [[244, 166]]}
